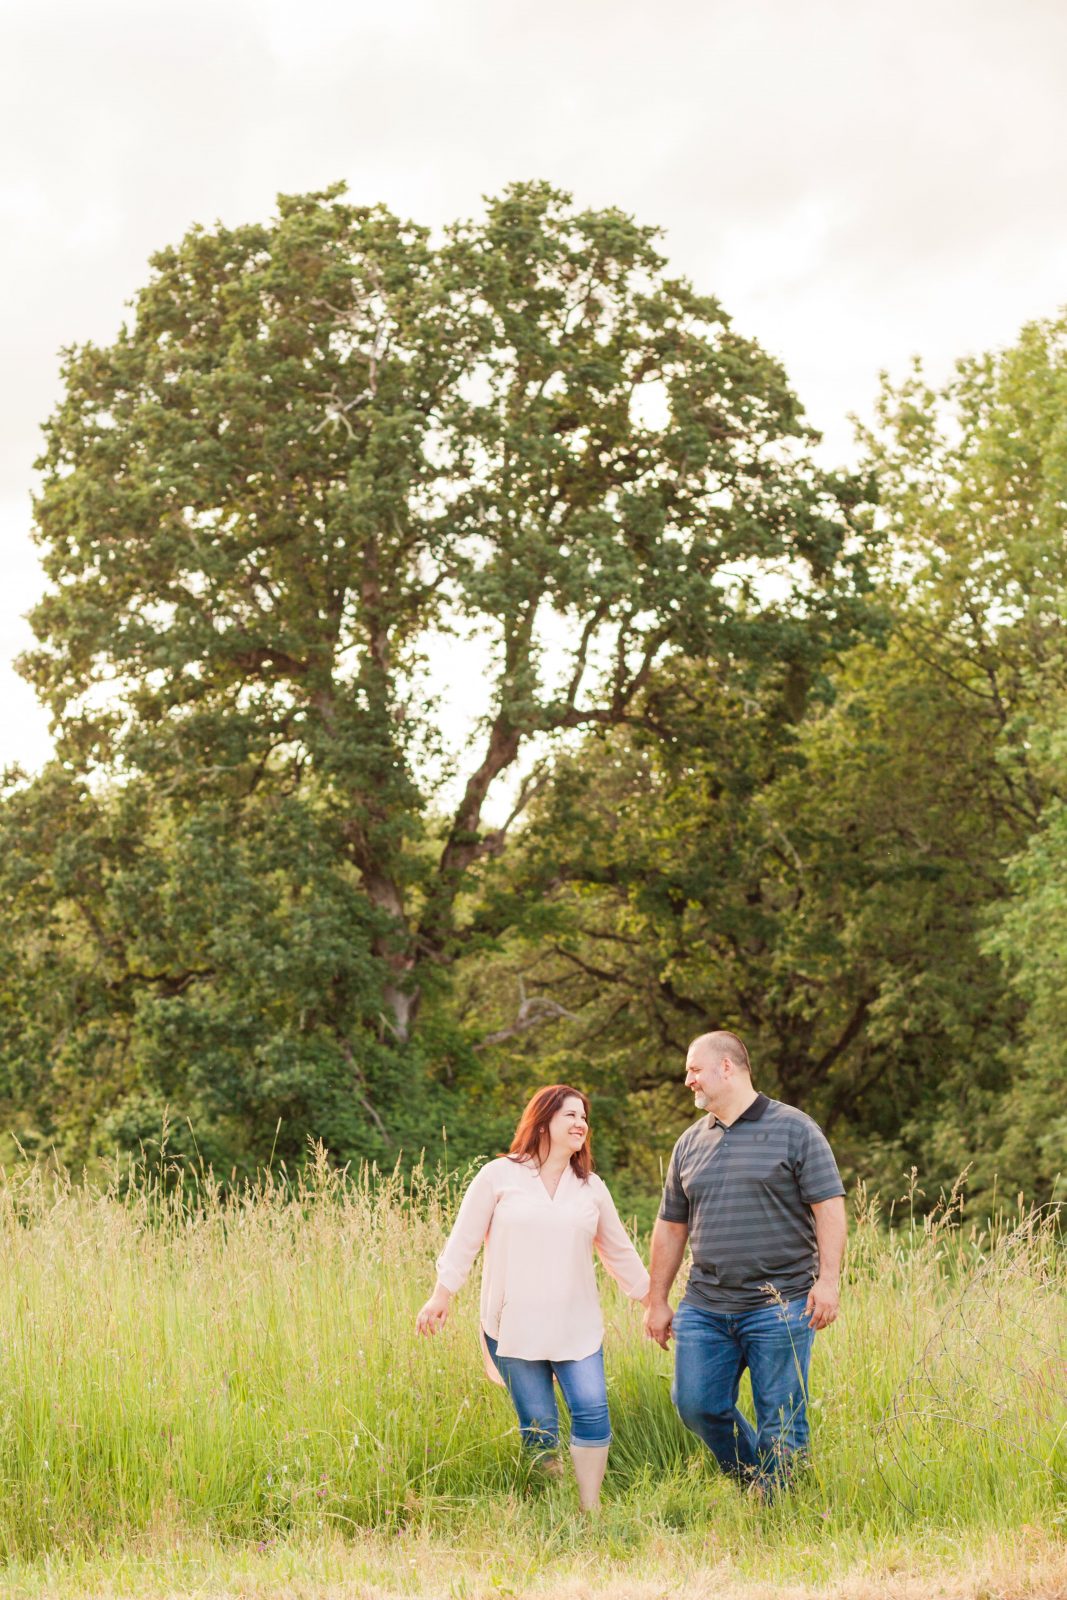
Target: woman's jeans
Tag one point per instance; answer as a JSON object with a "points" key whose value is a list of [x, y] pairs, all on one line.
{"points": [[529, 1383], [711, 1351]]}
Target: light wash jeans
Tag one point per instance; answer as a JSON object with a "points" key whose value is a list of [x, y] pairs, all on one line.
{"points": [[529, 1383]]}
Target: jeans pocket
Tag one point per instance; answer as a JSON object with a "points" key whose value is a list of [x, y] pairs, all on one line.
{"points": [[681, 1319]]}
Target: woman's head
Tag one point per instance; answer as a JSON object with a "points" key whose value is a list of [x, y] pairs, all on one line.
{"points": [[557, 1118]]}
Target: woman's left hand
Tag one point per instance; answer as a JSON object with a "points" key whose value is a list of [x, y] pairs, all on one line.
{"points": [[434, 1313]]}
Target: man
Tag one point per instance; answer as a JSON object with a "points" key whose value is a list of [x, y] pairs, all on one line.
{"points": [[754, 1188]]}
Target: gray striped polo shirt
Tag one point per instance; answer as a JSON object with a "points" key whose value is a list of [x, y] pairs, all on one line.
{"points": [[746, 1193]]}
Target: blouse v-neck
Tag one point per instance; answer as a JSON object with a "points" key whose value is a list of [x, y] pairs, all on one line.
{"points": [[551, 1195]]}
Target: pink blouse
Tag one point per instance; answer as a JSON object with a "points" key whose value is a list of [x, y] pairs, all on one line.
{"points": [[539, 1298]]}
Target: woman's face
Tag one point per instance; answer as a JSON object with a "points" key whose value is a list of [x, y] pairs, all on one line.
{"points": [[569, 1126]]}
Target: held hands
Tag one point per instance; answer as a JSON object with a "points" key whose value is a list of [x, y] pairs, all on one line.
{"points": [[659, 1319], [434, 1313], [823, 1304]]}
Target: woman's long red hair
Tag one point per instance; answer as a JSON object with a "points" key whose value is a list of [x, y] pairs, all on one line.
{"points": [[532, 1136]]}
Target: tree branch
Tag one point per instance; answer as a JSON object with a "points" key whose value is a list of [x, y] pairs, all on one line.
{"points": [[533, 1012], [463, 844], [359, 1084]]}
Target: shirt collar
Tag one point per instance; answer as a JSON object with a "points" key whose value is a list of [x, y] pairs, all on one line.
{"points": [[751, 1113]]}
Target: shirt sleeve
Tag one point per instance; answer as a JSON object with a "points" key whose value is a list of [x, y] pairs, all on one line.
{"points": [[468, 1231], [814, 1166], [674, 1207], [616, 1249]]}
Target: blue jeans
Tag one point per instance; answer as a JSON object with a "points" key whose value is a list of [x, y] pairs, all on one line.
{"points": [[711, 1351], [529, 1383]]}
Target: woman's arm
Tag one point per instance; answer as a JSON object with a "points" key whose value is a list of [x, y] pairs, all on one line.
{"points": [[616, 1249], [457, 1257]]}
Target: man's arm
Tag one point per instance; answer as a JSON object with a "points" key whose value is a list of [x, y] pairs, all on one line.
{"points": [[668, 1248], [831, 1230]]}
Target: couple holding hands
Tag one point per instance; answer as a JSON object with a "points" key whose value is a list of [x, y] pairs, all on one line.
{"points": [[752, 1187]]}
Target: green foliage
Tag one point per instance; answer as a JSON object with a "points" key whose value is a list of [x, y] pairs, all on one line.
{"points": [[866, 877], [821, 887], [974, 481], [1029, 934], [213, 959], [320, 448], [256, 894]]}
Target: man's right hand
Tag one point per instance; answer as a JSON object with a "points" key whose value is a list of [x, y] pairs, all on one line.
{"points": [[659, 1319]]}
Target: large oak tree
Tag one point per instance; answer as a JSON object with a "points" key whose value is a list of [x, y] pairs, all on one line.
{"points": [[323, 447]]}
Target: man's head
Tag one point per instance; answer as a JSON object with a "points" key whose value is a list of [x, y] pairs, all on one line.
{"points": [[718, 1071]]}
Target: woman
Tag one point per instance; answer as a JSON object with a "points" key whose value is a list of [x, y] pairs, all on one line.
{"points": [[540, 1211]]}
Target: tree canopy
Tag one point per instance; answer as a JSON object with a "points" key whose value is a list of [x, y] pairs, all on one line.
{"points": [[322, 448], [756, 745]]}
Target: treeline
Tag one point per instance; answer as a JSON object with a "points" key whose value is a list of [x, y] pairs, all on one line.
{"points": [[797, 768]]}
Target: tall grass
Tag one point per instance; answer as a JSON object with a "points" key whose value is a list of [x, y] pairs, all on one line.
{"points": [[243, 1367]]}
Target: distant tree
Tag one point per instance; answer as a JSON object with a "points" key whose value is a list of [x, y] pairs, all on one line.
{"points": [[871, 886], [322, 447], [1028, 1126], [819, 883], [974, 480]]}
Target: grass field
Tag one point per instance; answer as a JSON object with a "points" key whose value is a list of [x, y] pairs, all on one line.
{"points": [[223, 1395]]}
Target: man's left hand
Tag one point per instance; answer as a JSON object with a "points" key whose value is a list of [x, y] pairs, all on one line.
{"points": [[823, 1304]]}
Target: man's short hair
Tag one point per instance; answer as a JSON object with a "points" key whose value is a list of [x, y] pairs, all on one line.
{"points": [[719, 1043]]}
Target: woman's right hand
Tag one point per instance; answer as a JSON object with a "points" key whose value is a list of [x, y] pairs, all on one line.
{"points": [[434, 1313]]}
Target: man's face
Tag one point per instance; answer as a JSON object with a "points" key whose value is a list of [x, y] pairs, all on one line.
{"points": [[704, 1076]]}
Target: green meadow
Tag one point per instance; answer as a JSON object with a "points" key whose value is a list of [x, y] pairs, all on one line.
{"points": [[222, 1393]]}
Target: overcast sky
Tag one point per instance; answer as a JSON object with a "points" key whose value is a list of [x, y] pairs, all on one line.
{"points": [[856, 182]]}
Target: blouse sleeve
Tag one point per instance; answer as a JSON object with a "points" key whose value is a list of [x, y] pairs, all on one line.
{"points": [[616, 1249], [468, 1231]]}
